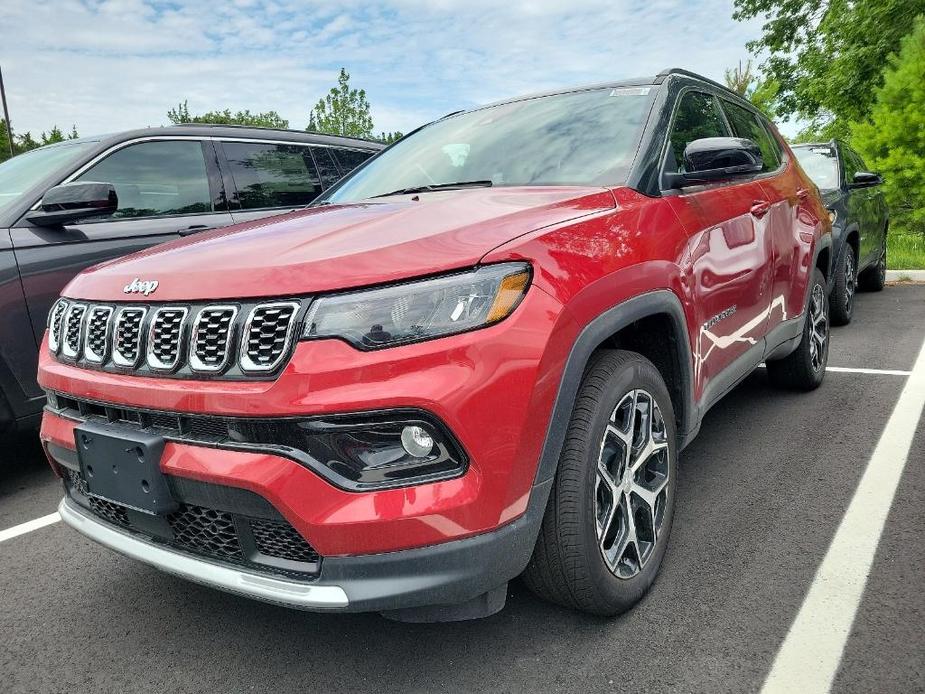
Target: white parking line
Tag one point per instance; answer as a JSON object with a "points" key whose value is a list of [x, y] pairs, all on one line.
{"points": [[875, 372], [28, 526], [812, 650]]}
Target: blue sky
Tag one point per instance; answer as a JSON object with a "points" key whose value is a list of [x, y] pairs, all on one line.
{"points": [[118, 64]]}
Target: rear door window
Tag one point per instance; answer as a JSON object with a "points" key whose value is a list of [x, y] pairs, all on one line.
{"points": [[271, 175], [746, 124], [698, 116], [157, 178], [349, 159]]}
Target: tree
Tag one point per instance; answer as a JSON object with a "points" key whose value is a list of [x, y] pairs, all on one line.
{"points": [[24, 142], [389, 138], [892, 139], [761, 92], [268, 119], [827, 55], [53, 136], [344, 111]]}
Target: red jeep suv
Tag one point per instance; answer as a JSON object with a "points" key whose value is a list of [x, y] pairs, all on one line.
{"points": [[478, 356]]}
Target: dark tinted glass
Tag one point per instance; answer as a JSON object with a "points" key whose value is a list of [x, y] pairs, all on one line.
{"points": [[349, 159], [272, 175], [327, 167], [852, 163], [746, 124], [156, 178], [698, 116]]}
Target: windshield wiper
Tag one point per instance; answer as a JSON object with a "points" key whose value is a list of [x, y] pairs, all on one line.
{"points": [[437, 186]]}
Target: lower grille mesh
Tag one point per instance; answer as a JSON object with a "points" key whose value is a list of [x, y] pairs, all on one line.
{"points": [[214, 533]]}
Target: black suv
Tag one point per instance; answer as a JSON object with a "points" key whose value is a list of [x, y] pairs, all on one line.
{"points": [[148, 186], [860, 220]]}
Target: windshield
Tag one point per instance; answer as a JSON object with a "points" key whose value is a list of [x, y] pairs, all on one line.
{"points": [[820, 164], [19, 174], [579, 138]]}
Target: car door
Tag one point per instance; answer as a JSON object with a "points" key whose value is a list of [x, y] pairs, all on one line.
{"points": [[167, 188], [865, 206], [784, 191], [728, 256], [269, 178]]}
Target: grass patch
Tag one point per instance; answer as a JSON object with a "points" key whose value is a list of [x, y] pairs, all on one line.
{"points": [[905, 251]]}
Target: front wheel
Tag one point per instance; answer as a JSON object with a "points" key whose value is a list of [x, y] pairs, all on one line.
{"points": [[804, 368], [609, 514]]}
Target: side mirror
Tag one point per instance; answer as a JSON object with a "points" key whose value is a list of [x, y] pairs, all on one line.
{"points": [[71, 202], [716, 158], [865, 179]]}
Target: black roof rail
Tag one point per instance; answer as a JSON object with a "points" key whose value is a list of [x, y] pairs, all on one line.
{"points": [[660, 77]]}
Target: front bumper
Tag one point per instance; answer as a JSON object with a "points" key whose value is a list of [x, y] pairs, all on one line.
{"points": [[450, 573]]}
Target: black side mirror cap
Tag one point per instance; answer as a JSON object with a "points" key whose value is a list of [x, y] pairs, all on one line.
{"points": [[865, 179], [717, 158], [71, 202]]}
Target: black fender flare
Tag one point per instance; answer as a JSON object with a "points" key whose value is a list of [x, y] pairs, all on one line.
{"points": [[611, 321]]}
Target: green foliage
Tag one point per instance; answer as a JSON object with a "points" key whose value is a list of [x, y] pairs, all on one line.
{"points": [[389, 138], [827, 55], [892, 139], [344, 111], [269, 119], [25, 141], [761, 92]]}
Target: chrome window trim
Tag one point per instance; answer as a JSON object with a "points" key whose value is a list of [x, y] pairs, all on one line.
{"points": [[65, 350], [117, 357], [194, 362], [247, 365], [152, 360], [88, 354]]}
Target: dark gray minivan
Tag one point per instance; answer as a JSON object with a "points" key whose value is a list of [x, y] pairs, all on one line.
{"points": [[158, 184]]}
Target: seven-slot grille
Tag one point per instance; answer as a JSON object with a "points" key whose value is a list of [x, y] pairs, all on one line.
{"points": [[165, 337], [266, 335], [246, 339]]}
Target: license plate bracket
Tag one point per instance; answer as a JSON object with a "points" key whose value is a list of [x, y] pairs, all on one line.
{"points": [[123, 465]]}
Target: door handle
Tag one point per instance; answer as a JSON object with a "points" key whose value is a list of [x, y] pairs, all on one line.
{"points": [[192, 229], [760, 208]]}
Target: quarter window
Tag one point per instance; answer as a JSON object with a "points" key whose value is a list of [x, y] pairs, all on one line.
{"points": [[349, 159], [698, 116], [269, 175], [327, 167], [156, 178], [746, 124]]}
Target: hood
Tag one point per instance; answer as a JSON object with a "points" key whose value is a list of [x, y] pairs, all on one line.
{"points": [[339, 246], [830, 196]]}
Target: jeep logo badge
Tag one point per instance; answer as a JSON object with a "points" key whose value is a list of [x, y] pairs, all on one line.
{"points": [[137, 286]]}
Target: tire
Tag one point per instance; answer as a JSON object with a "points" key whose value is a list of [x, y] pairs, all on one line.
{"points": [[589, 556], [874, 279], [841, 301], [804, 368]]}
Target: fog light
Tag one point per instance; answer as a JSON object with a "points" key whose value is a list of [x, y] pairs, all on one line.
{"points": [[416, 441]]}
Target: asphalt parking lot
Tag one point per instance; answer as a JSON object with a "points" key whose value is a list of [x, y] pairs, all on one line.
{"points": [[761, 494]]}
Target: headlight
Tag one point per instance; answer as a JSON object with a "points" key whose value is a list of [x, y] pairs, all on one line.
{"points": [[833, 215], [421, 310]]}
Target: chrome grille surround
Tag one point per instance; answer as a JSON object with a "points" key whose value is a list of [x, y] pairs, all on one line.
{"points": [[96, 343], [73, 330], [165, 337], [267, 335], [55, 317], [126, 340], [210, 338]]}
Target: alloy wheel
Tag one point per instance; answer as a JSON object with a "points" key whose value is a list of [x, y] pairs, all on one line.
{"points": [[851, 280], [631, 493], [819, 327]]}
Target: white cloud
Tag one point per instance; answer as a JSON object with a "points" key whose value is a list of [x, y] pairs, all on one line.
{"points": [[117, 64]]}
